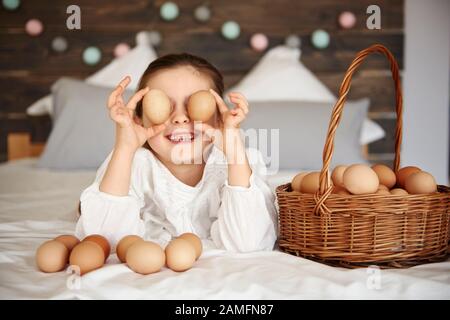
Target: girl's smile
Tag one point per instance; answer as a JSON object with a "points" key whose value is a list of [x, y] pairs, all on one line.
{"points": [[180, 135]]}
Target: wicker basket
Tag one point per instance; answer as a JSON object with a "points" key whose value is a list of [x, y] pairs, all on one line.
{"points": [[361, 230]]}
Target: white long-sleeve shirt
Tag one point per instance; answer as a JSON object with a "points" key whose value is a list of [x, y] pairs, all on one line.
{"points": [[159, 207]]}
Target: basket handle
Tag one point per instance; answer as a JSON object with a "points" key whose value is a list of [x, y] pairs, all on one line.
{"points": [[325, 181]]}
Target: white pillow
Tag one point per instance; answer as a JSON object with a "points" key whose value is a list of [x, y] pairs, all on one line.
{"points": [[281, 76], [133, 64]]}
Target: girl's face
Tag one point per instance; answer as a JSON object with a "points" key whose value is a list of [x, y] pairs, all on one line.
{"points": [[179, 143]]}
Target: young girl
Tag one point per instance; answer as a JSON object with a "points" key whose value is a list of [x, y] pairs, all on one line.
{"points": [[164, 180]]}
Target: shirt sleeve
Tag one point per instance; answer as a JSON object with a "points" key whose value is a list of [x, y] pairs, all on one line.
{"points": [[247, 219], [112, 216]]}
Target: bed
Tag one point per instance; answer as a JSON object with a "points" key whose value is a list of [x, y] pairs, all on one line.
{"points": [[39, 204], [39, 197]]}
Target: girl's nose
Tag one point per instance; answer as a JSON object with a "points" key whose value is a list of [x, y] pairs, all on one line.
{"points": [[180, 117]]}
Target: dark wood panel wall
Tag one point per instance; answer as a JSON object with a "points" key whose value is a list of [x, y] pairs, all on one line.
{"points": [[29, 66]]}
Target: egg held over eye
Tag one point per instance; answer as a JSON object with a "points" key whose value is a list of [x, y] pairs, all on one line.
{"points": [[201, 106], [87, 256], [180, 255], [156, 106], [145, 257], [124, 244], [52, 256]]}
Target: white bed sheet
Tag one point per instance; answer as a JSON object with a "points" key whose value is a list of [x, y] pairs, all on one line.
{"points": [[36, 205]]}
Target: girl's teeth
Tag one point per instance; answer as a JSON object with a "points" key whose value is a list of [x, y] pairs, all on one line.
{"points": [[180, 138]]}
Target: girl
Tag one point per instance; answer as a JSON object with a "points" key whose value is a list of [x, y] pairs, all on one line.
{"points": [[164, 180]]}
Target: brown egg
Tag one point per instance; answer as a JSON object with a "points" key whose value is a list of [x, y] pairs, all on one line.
{"points": [[310, 182], [101, 241], [399, 192], [385, 175], [156, 106], [68, 240], [343, 192], [52, 256], [360, 179], [195, 241], [297, 181], [180, 255], [124, 244], [403, 173], [420, 183], [383, 191], [145, 257], [337, 189], [338, 175], [201, 106], [87, 256]]}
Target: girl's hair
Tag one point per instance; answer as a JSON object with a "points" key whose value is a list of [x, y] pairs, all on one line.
{"points": [[176, 60]]}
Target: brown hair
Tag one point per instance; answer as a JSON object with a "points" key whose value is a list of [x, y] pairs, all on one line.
{"points": [[182, 59]]}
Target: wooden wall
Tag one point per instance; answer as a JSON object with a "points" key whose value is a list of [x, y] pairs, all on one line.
{"points": [[29, 66]]}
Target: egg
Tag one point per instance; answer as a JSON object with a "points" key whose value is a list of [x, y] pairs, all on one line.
{"points": [[399, 192], [383, 187], [124, 244], [180, 255], [337, 189], [156, 106], [52, 256], [403, 173], [337, 175], [201, 106], [383, 191], [360, 179], [310, 182], [101, 241], [145, 257], [297, 181], [386, 175], [343, 192], [68, 240], [87, 256], [195, 241], [420, 183]]}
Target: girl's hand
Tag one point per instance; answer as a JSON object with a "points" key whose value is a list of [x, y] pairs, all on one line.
{"points": [[130, 134], [231, 118]]}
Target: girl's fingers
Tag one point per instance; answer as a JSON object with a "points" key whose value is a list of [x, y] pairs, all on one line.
{"points": [[240, 113], [237, 95], [155, 130], [117, 92], [125, 82], [136, 98], [240, 102], [112, 99], [219, 101]]}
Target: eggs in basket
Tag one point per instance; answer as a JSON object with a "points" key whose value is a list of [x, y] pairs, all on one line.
{"points": [[144, 257], [358, 179]]}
